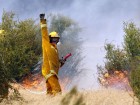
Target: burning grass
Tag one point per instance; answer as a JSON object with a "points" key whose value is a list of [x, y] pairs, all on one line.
{"points": [[118, 80], [34, 82], [37, 83]]}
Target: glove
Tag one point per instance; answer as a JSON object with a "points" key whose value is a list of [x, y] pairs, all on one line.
{"points": [[42, 16], [62, 62]]}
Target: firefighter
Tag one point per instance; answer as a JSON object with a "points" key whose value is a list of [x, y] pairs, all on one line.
{"points": [[51, 60]]}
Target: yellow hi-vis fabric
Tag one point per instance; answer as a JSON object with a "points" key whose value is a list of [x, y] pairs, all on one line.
{"points": [[54, 34], [50, 65]]}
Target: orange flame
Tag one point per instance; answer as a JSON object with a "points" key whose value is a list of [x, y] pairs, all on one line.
{"points": [[119, 80], [33, 82], [37, 82]]}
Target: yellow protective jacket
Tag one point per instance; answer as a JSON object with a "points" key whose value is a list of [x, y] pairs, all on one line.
{"points": [[50, 52]]}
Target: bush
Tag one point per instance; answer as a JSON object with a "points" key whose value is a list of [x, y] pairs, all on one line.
{"points": [[132, 47], [116, 58], [19, 49]]}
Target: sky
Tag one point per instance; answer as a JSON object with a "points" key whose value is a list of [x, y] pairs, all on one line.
{"points": [[101, 22]]}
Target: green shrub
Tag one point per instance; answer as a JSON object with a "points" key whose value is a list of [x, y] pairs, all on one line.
{"points": [[132, 47], [135, 76], [116, 58], [19, 49]]}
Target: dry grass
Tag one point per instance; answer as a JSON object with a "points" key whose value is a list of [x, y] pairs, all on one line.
{"points": [[89, 97]]}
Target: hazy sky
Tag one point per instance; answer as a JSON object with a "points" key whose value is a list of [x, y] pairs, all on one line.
{"points": [[100, 19]]}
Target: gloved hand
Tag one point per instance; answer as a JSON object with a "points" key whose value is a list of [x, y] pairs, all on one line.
{"points": [[62, 62], [42, 16]]}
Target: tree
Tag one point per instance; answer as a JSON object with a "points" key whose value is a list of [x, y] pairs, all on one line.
{"points": [[132, 40], [19, 49], [132, 47]]}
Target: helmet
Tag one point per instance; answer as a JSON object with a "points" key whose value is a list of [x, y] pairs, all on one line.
{"points": [[54, 34]]}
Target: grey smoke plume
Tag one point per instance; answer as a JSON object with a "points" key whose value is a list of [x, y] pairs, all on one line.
{"points": [[100, 19]]}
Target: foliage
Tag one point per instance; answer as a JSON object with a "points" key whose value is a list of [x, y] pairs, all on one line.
{"points": [[70, 43], [132, 47], [19, 49], [135, 76], [116, 58], [132, 40]]}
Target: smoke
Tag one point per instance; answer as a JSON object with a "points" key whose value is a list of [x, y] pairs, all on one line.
{"points": [[101, 20]]}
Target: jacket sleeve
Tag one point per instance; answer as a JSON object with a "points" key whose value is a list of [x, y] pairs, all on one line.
{"points": [[45, 46], [44, 31]]}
